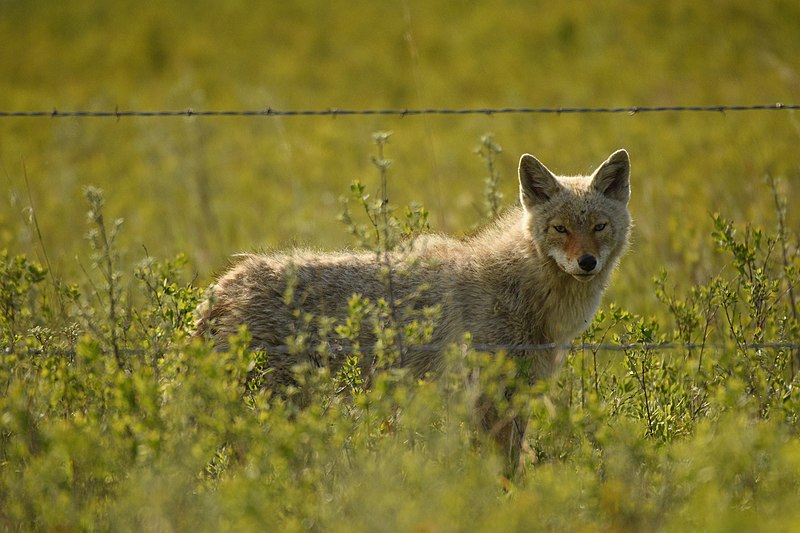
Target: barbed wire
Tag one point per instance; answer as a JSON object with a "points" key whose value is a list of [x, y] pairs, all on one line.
{"points": [[337, 349], [435, 348], [335, 112]]}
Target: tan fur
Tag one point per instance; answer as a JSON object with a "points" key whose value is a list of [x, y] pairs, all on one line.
{"points": [[519, 282]]}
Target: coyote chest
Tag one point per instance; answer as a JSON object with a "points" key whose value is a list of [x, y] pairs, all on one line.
{"points": [[529, 308]]}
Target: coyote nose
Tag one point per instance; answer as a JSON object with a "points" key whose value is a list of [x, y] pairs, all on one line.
{"points": [[587, 262]]}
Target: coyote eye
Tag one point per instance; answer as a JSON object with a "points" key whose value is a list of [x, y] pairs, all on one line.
{"points": [[599, 227], [559, 228]]}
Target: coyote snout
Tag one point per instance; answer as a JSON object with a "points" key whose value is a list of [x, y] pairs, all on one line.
{"points": [[578, 252]]}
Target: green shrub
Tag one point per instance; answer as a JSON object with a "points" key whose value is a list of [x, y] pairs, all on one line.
{"points": [[688, 422]]}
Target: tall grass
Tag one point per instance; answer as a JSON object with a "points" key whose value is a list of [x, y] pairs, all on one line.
{"points": [[693, 424]]}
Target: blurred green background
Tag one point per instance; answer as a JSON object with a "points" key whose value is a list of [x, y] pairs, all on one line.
{"points": [[211, 187]]}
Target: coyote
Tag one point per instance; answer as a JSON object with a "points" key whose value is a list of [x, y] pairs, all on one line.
{"points": [[531, 282]]}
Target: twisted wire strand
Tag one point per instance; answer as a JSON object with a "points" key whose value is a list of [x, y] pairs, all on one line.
{"points": [[341, 348], [334, 112]]}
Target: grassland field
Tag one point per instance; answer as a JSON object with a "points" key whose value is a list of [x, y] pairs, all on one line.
{"points": [[208, 187]]}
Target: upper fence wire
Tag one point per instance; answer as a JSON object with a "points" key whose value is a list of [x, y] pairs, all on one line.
{"points": [[335, 112]]}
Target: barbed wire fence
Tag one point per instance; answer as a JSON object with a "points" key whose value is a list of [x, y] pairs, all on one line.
{"points": [[337, 112], [489, 348], [408, 112]]}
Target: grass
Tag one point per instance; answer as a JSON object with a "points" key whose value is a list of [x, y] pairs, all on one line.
{"points": [[167, 436]]}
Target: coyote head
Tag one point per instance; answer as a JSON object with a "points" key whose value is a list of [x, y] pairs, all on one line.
{"points": [[581, 222]]}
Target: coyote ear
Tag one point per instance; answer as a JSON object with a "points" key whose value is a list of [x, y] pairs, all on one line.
{"points": [[536, 183], [612, 178]]}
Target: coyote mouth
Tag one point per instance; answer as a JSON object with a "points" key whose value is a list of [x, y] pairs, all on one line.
{"points": [[585, 277]]}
